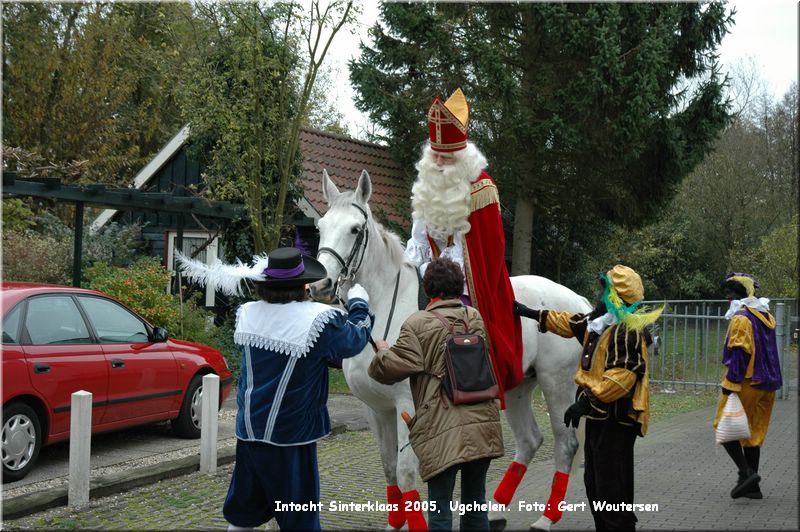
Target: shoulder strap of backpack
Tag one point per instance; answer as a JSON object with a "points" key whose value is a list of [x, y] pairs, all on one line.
{"points": [[447, 324], [450, 326]]}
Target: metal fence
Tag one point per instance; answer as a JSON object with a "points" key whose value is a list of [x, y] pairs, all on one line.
{"points": [[689, 337]]}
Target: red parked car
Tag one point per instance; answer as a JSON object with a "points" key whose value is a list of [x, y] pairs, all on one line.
{"points": [[58, 340]]}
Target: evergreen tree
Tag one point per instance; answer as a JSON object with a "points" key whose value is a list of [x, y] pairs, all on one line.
{"points": [[588, 112]]}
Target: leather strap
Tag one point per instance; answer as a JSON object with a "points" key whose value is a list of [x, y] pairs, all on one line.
{"points": [[451, 326]]}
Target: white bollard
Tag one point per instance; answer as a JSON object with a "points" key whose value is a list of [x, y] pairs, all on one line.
{"points": [[80, 445], [209, 424]]}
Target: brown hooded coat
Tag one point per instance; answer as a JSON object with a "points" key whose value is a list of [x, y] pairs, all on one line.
{"points": [[442, 434]]}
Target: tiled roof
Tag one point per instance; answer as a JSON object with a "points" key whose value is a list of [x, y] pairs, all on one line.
{"points": [[344, 159]]}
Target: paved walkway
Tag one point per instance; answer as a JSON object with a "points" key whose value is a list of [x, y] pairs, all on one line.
{"points": [[677, 467]]}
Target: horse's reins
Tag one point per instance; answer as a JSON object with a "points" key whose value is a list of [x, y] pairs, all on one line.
{"points": [[347, 272], [391, 309]]}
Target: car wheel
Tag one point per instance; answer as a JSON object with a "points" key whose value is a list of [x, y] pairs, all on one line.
{"points": [[21, 440], [187, 424]]}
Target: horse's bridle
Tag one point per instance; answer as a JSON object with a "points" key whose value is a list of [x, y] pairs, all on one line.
{"points": [[347, 271]]}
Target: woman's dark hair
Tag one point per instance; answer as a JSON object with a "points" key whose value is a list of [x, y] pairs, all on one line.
{"points": [[443, 278], [281, 295]]}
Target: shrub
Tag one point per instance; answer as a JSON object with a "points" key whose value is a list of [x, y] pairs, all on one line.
{"points": [[39, 250], [17, 216], [142, 287], [224, 343], [36, 258], [117, 245], [196, 324]]}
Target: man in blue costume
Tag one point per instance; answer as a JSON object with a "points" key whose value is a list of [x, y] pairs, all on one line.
{"points": [[753, 371], [287, 342]]}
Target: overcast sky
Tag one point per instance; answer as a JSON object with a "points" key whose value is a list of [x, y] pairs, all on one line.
{"points": [[765, 31]]}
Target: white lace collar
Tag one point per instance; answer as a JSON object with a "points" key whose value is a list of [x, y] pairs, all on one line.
{"points": [[598, 325], [761, 304], [289, 328]]}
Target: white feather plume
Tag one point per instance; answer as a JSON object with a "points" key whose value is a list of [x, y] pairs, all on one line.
{"points": [[226, 278]]}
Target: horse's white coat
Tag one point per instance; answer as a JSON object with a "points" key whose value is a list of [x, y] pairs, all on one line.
{"points": [[552, 358]]}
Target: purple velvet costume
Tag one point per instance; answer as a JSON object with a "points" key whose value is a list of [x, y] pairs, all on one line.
{"points": [[766, 368]]}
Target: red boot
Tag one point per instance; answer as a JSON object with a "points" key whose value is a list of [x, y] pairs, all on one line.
{"points": [[414, 515], [508, 486], [394, 497], [558, 491]]}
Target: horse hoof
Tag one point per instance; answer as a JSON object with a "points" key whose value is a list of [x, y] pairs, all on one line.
{"points": [[497, 525], [543, 523]]}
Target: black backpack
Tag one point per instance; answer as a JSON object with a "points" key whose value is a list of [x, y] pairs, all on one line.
{"points": [[469, 375]]}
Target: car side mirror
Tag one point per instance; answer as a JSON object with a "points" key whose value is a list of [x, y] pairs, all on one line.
{"points": [[159, 334]]}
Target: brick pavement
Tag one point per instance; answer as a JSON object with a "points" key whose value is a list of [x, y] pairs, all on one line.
{"points": [[678, 468]]}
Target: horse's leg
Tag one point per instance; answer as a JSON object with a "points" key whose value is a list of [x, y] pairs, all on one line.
{"points": [[527, 438], [558, 398], [384, 428], [407, 463]]}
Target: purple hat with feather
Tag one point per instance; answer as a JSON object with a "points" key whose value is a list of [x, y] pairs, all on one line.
{"points": [[287, 268]]}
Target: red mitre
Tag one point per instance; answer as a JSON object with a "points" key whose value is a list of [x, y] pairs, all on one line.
{"points": [[447, 123]]}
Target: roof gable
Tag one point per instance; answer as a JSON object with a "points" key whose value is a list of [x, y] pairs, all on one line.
{"points": [[344, 159]]}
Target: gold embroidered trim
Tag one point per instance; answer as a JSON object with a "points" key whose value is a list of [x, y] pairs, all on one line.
{"points": [[484, 193], [439, 114], [468, 275], [451, 146]]}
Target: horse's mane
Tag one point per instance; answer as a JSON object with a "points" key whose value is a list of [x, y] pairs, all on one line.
{"points": [[393, 243]]}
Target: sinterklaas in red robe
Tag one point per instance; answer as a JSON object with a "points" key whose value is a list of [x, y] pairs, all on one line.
{"points": [[488, 283]]}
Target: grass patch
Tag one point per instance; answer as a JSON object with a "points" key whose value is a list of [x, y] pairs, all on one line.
{"points": [[664, 404], [336, 381]]}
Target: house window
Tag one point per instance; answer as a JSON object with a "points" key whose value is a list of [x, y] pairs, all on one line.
{"points": [[192, 241]]}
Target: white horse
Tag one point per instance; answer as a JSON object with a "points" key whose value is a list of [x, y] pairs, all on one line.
{"points": [[356, 248]]}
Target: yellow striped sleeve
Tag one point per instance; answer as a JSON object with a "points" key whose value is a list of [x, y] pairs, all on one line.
{"points": [[740, 334], [616, 383], [560, 323]]}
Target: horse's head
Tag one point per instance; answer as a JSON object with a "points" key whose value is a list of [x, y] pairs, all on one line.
{"points": [[343, 235]]}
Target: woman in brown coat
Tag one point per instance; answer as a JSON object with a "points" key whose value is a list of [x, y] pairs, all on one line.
{"points": [[445, 437]]}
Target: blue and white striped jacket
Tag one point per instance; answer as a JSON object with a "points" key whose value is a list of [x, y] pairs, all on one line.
{"points": [[283, 386]]}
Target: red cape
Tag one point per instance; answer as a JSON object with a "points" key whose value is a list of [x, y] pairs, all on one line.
{"points": [[489, 285]]}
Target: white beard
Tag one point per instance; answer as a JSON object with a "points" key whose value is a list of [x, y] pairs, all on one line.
{"points": [[441, 195]]}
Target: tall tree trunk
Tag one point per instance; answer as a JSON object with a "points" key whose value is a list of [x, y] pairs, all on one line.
{"points": [[523, 237], [523, 209]]}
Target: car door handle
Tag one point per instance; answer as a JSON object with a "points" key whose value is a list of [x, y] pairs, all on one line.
{"points": [[41, 368], [117, 363]]}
